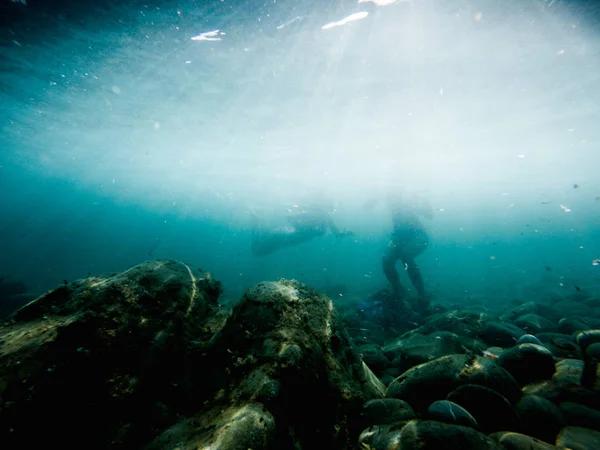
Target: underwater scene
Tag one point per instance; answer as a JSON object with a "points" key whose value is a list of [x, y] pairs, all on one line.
{"points": [[279, 224]]}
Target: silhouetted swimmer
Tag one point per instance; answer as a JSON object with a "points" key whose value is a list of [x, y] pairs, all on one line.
{"points": [[304, 224], [407, 241]]}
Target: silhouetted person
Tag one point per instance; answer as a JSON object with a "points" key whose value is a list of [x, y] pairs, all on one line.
{"points": [[408, 240], [304, 224]]}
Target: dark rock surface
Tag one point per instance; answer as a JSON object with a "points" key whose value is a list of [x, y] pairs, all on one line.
{"points": [[535, 308], [528, 363], [414, 348], [570, 325], [145, 358], [450, 412], [565, 386], [533, 323], [284, 346], [502, 334], [372, 355], [577, 438], [462, 323], [426, 383], [387, 411], [540, 418], [515, 441], [491, 410], [427, 434], [114, 352], [561, 345], [529, 339], [578, 415]]}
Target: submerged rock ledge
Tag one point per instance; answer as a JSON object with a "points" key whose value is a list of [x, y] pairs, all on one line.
{"points": [[147, 359]]}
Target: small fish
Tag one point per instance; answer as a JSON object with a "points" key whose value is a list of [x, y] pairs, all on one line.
{"points": [[578, 288], [548, 269], [575, 186], [546, 203]]}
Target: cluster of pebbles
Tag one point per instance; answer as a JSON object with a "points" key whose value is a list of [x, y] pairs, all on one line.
{"points": [[524, 380]]}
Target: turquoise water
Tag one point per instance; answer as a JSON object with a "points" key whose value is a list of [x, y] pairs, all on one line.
{"points": [[123, 140]]}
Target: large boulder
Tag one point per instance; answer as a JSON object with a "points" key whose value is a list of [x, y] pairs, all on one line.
{"points": [[104, 361], [285, 347]]}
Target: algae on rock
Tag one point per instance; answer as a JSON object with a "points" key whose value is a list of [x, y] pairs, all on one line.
{"points": [[147, 358]]}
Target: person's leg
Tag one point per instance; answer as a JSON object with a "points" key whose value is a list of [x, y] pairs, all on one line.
{"points": [[414, 273], [417, 245], [388, 263], [395, 310]]}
